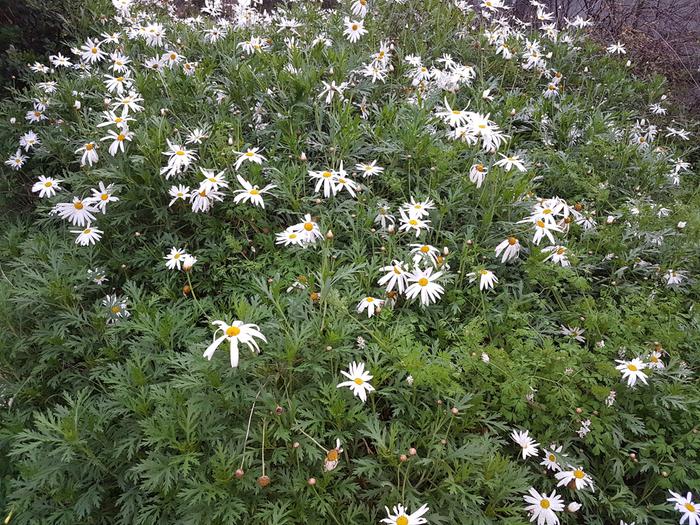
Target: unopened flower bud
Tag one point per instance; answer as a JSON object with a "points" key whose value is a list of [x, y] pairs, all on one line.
{"points": [[329, 234], [403, 458], [239, 473], [264, 481], [311, 481], [573, 507], [412, 451]]}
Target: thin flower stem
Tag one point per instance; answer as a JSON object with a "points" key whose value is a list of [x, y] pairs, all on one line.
{"points": [[250, 418]]}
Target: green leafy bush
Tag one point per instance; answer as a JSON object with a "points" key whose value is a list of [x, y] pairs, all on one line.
{"points": [[111, 414]]}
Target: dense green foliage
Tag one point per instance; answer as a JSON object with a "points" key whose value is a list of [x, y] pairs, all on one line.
{"points": [[127, 423]]}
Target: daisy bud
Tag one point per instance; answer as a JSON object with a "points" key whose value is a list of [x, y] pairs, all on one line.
{"points": [[633, 455], [512, 112], [412, 451], [302, 157], [329, 235], [455, 411], [443, 442], [186, 290], [279, 410], [664, 474], [230, 140], [107, 101], [409, 380], [445, 251], [469, 242], [403, 458], [390, 228], [239, 473], [329, 348], [681, 225], [579, 410], [439, 402], [76, 104], [311, 481], [318, 201], [628, 63], [296, 444], [573, 507], [264, 481]]}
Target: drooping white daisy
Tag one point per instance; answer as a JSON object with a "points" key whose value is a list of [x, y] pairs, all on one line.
{"points": [[400, 516], [47, 186], [543, 507], [179, 159], [574, 478], [89, 151], [250, 155], [251, 193], [89, 235], [236, 332], [632, 371], [487, 279], [396, 276], [118, 140], [332, 457], [424, 284], [358, 380], [424, 253], [326, 179], [526, 443], [371, 304], [477, 174], [510, 248], [344, 183]]}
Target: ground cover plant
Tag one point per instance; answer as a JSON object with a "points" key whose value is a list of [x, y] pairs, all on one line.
{"points": [[392, 262]]}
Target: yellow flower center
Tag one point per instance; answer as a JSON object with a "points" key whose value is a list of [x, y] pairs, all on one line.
{"points": [[544, 504], [423, 281], [308, 226], [249, 154], [78, 205], [397, 271], [292, 235], [89, 147], [326, 174], [48, 184], [332, 455], [425, 248], [353, 27], [176, 256], [546, 211], [579, 474], [341, 181], [173, 56], [456, 112], [479, 168], [484, 272], [560, 251], [116, 309], [413, 222], [120, 79], [512, 241], [689, 507], [631, 368], [402, 520], [540, 223], [202, 193], [233, 331], [179, 152], [551, 458], [358, 381], [369, 299], [87, 231], [254, 192], [121, 137], [94, 50], [104, 196]]}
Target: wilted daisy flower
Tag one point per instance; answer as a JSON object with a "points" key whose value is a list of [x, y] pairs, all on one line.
{"points": [[674, 277], [332, 457], [510, 248], [632, 371], [487, 279], [396, 276], [118, 140], [358, 380], [424, 253], [544, 507], [526, 443], [89, 153], [97, 276], [116, 308], [557, 254], [574, 332], [477, 174], [400, 516], [47, 186], [574, 478], [326, 179], [236, 332], [371, 304]]}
